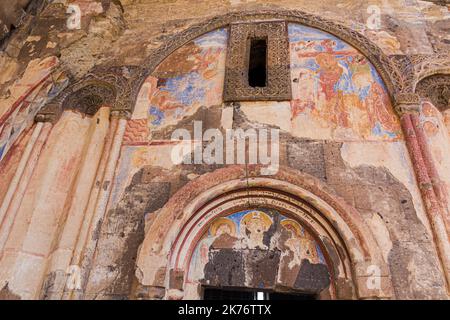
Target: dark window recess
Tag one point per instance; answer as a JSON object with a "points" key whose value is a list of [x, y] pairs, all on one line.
{"points": [[229, 294], [218, 294], [289, 296], [257, 67]]}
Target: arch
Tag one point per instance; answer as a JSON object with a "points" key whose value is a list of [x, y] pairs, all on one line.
{"points": [[389, 72], [86, 97], [429, 66], [102, 86], [322, 211], [436, 87]]}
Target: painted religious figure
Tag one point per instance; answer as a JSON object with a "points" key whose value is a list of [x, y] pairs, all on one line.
{"points": [[235, 248]]}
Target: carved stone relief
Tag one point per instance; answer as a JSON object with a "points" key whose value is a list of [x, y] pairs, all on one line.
{"points": [[102, 86], [437, 89], [278, 86]]}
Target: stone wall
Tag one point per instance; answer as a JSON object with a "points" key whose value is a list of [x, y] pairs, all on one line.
{"points": [[340, 127]]}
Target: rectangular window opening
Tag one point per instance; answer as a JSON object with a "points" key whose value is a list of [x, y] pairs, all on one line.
{"points": [[211, 293], [257, 68]]}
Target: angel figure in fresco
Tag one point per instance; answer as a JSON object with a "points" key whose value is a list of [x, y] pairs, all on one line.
{"points": [[206, 62], [222, 228], [305, 92], [162, 104], [301, 243], [381, 113], [200, 258], [373, 98], [253, 226], [330, 74]]}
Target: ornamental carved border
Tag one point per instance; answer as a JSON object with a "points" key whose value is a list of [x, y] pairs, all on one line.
{"points": [[416, 67], [390, 73], [111, 86], [437, 89], [278, 86]]}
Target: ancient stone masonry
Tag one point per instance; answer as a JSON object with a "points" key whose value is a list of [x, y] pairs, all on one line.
{"points": [[117, 179], [102, 86], [437, 89], [278, 76], [13, 14]]}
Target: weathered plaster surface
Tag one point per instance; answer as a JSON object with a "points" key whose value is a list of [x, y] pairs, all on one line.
{"points": [[29, 242], [434, 126], [339, 134], [357, 149], [258, 249]]}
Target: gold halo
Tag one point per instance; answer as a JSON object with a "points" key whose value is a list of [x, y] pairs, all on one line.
{"points": [[293, 225], [267, 221], [221, 221]]}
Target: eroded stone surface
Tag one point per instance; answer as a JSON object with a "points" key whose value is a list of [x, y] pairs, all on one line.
{"points": [[340, 139]]}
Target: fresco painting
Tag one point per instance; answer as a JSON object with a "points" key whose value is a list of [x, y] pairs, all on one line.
{"points": [[247, 242], [436, 132], [336, 90], [37, 88], [189, 78]]}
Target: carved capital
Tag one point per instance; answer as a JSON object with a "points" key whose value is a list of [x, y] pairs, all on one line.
{"points": [[407, 103], [102, 86], [89, 96], [121, 114], [429, 65], [49, 113]]}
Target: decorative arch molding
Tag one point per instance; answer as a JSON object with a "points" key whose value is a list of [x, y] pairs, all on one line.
{"points": [[436, 88], [348, 237], [429, 65], [109, 86], [424, 76], [392, 76]]}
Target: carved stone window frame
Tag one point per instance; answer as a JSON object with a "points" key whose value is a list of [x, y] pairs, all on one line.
{"points": [[236, 87]]}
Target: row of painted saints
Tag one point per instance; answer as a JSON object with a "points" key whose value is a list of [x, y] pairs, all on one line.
{"points": [[261, 229]]}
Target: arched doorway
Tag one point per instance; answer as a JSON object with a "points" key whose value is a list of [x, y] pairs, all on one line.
{"points": [[282, 234], [339, 93], [257, 239]]}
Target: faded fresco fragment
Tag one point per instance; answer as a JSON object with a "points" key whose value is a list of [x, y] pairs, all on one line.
{"points": [[433, 123], [259, 248], [189, 78], [36, 88], [337, 93]]}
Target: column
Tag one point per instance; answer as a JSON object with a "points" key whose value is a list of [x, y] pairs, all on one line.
{"points": [[18, 185], [97, 205], [59, 266], [408, 108]]}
